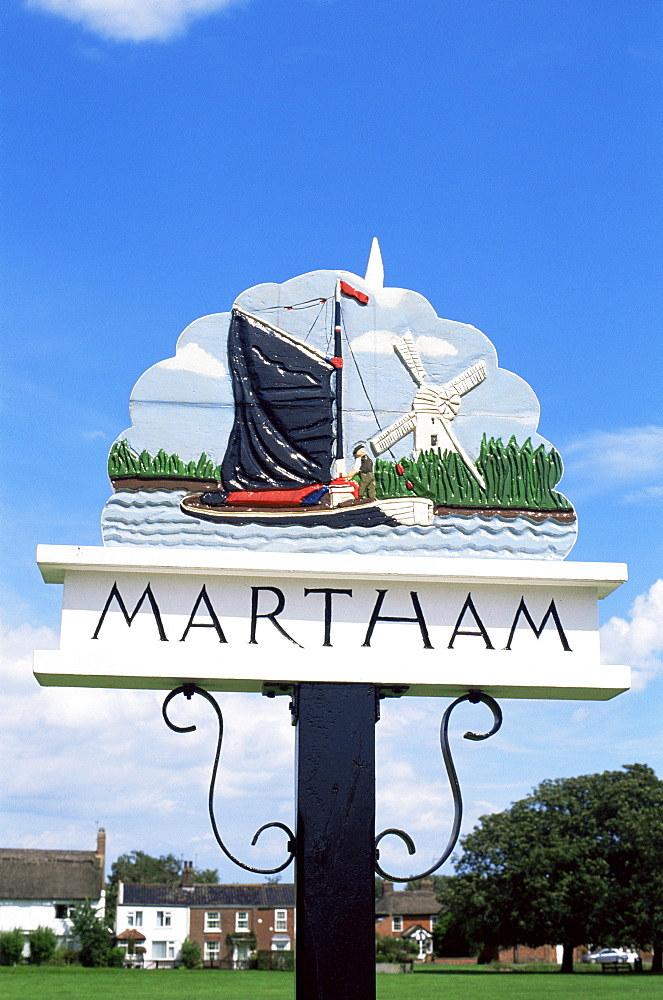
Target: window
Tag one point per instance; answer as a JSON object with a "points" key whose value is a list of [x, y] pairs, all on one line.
{"points": [[61, 911], [159, 949], [242, 920], [212, 920], [397, 924], [135, 919], [280, 920], [212, 949], [433, 440], [163, 918]]}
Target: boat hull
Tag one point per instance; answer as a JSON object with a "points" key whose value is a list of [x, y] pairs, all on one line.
{"points": [[363, 513]]}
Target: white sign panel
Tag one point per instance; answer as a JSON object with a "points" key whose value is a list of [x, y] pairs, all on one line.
{"points": [[157, 618]]}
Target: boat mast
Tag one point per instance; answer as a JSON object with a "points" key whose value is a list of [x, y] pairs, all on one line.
{"points": [[337, 361]]}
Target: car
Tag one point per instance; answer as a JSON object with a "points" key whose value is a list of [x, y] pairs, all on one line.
{"points": [[620, 955]]}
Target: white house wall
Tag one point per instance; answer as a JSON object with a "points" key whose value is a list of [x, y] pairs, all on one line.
{"points": [[177, 932], [27, 915]]}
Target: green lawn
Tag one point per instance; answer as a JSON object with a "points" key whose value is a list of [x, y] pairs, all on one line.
{"points": [[440, 983]]}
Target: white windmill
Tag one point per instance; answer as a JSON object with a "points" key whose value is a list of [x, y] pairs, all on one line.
{"points": [[433, 409]]}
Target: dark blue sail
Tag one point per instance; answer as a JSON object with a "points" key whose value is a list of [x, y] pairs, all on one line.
{"points": [[283, 434]]}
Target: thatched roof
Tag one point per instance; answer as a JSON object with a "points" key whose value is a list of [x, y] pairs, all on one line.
{"points": [[419, 903], [53, 875]]}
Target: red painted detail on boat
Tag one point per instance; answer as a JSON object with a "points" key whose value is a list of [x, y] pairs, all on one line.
{"points": [[270, 498], [336, 362], [349, 483], [354, 293]]}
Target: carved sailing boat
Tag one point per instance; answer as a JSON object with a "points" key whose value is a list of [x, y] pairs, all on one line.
{"points": [[284, 461]]}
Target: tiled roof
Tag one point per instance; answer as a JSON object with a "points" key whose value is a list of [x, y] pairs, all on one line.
{"points": [[421, 902], [268, 896], [52, 875]]}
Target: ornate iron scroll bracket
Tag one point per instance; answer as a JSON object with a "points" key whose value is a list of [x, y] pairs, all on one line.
{"points": [[188, 690], [474, 697]]}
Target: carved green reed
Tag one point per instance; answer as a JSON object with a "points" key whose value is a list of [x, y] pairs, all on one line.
{"points": [[517, 476], [122, 461]]}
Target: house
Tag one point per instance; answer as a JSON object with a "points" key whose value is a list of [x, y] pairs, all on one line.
{"points": [[38, 888], [409, 915], [227, 921], [230, 921]]}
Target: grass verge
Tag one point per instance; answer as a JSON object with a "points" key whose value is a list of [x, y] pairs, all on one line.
{"points": [[427, 983]]}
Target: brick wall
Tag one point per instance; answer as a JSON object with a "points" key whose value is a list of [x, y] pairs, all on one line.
{"points": [[383, 925], [261, 922]]}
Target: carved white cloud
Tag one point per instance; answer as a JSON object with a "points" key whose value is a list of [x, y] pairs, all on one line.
{"points": [[382, 342], [132, 20], [435, 347], [192, 358], [375, 342]]}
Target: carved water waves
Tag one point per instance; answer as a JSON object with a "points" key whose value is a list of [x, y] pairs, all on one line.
{"points": [[153, 517]]}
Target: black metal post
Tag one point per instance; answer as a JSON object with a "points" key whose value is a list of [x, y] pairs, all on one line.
{"points": [[335, 837]]}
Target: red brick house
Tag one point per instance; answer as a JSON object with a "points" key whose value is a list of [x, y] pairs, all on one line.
{"points": [[231, 921], [408, 915]]}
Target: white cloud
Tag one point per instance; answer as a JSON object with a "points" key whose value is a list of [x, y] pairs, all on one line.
{"points": [[75, 756], [638, 641], [435, 347], [375, 342], [132, 20], [618, 457], [193, 358]]}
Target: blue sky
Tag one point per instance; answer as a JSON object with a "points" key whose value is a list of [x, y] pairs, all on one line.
{"points": [[160, 157]]}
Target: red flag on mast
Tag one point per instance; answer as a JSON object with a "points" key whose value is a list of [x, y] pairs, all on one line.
{"points": [[354, 293]]}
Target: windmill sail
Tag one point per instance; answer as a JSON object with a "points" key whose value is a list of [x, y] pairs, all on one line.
{"points": [[463, 383], [408, 353], [283, 433]]}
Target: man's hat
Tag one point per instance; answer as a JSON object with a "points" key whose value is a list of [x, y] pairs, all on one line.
{"points": [[359, 445]]}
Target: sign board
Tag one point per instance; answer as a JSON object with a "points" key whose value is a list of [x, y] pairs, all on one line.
{"points": [[330, 413], [232, 621]]}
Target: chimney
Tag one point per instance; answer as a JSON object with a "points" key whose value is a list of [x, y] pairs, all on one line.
{"points": [[101, 850], [387, 888], [187, 875], [427, 884]]}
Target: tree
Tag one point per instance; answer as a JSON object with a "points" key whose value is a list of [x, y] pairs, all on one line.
{"points": [[43, 943], [573, 862], [144, 869], [636, 837], [11, 946], [449, 939], [192, 957], [207, 876], [94, 937]]}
